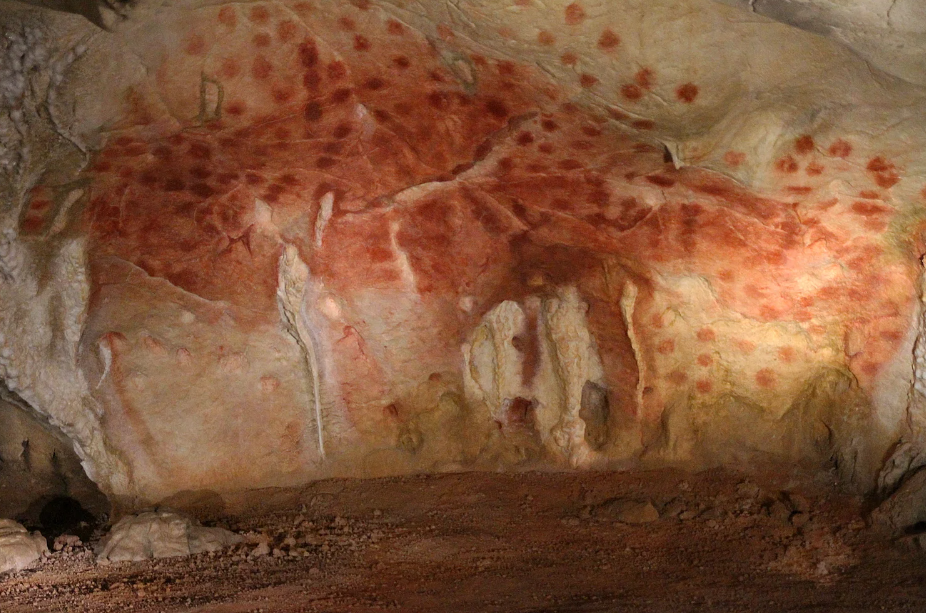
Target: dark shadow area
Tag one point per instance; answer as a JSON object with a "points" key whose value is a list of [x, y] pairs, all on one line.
{"points": [[42, 482]]}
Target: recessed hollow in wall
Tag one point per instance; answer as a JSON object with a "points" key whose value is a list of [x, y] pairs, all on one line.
{"points": [[41, 477]]}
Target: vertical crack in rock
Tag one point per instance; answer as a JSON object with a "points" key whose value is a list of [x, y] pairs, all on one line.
{"points": [[293, 277]]}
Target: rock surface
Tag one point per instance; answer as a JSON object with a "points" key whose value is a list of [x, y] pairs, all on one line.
{"points": [[160, 534], [19, 548], [252, 245]]}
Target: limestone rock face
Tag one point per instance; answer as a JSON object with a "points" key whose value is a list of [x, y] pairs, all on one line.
{"points": [[160, 534], [19, 548], [247, 245]]}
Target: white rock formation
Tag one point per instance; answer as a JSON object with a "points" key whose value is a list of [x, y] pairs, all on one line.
{"points": [[160, 534], [18, 548]]}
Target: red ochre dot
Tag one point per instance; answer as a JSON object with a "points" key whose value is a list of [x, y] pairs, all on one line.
{"points": [[687, 92], [665, 347], [704, 386], [608, 40], [575, 14], [705, 359], [804, 144], [840, 148], [766, 378], [706, 335]]}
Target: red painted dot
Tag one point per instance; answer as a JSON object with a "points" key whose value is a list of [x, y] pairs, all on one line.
{"points": [[337, 70], [885, 172], [524, 138], [608, 40], [347, 23], [575, 14], [814, 169], [787, 164], [870, 368], [312, 111], [804, 144], [282, 94], [631, 91], [259, 14], [706, 335], [227, 16], [666, 347], [496, 107], [704, 386], [787, 354], [766, 378], [644, 78], [196, 45], [705, 360], [588, 80], [341, 95], [395, 28], [734, 158], [678, 377], [229, 68], [287, 30], [308, 54], [374, 84], [261, 68], [262, 40], [687, 92], [840, 148], [569, 58], [545, 38], [361, 43]]}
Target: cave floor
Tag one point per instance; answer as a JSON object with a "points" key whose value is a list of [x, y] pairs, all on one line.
{"points": [[512, 542]]}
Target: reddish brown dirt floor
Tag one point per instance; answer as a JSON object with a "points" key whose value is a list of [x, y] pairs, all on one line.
{"points": [[513, 542]]}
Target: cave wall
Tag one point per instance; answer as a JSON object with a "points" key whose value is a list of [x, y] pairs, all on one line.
{"points": [[253, 244]]}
